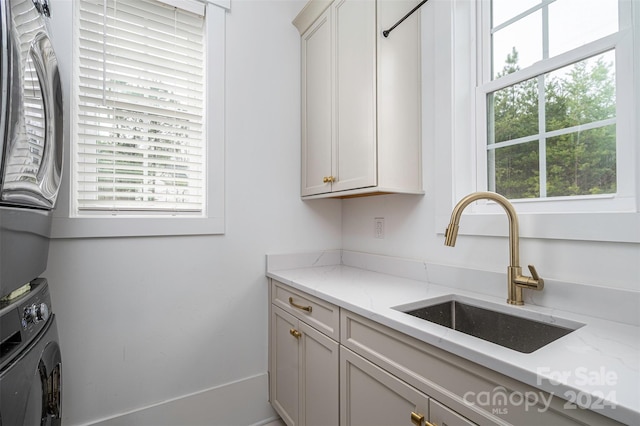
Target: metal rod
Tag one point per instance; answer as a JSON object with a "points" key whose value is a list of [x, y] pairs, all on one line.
{"points": [[386, 32]]}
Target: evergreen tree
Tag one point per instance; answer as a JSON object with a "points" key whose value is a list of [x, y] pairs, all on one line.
{"points": [[578, 163]]}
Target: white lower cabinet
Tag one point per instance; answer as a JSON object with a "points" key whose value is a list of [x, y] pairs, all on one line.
{"points": [[303, 372], [329, 367]]}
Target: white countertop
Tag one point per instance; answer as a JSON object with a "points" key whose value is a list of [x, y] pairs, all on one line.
{"points": [[597, 365]]}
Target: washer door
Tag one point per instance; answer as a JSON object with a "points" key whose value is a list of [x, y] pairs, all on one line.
{"points": [[31, 385], [44, 403]]}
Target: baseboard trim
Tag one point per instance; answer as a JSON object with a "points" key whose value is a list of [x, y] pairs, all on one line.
{"points": [[242, 402]]}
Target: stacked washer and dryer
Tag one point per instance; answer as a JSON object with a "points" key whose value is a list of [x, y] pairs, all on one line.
{"points": [[30, 173]]}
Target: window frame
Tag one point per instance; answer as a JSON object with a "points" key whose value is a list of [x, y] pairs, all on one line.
{"points": [[589, 218], [68, 224]]}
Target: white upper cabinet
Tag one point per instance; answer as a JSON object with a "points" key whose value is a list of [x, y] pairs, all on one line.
{"points": [[361, 98]]}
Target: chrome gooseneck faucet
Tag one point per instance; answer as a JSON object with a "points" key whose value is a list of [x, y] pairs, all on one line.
{"points": [[515, 280]]}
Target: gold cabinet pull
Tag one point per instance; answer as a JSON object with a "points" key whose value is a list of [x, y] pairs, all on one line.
{"points": [[295, 305], [417, 418], [295, 333], [328, 179]]}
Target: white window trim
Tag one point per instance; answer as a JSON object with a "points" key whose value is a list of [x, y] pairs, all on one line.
{"points": [[65, 225], [488, 219]]}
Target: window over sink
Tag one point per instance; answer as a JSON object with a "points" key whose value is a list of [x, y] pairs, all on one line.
{"points": [[548, 102], [551, 92]]}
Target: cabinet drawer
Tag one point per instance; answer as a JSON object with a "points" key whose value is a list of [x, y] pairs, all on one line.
{"points": [[321, 315]]}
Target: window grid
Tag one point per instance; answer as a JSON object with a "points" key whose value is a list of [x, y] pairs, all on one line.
{"points": [[542, 136]]}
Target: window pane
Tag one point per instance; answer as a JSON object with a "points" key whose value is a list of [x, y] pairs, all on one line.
{"points": [[516, 171], [507, 9], [523, 37], [514, 112], [573, 23], [582, 163], [582, 93]]}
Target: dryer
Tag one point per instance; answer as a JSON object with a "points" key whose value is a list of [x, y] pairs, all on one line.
{"points": [[31, 140]]}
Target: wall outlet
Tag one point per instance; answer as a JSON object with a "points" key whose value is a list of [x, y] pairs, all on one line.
{"points": [[378, 227]]}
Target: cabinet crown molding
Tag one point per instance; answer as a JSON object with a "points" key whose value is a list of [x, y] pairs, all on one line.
{"points": [[311, 11]]}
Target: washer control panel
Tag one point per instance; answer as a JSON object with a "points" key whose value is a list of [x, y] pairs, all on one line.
{"points": [[22, 319]]}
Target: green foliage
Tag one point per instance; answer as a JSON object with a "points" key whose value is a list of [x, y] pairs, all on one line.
{"points": [[579, 161]]}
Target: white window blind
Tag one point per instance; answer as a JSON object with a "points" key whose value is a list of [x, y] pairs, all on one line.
{"points": [[140, 78]]}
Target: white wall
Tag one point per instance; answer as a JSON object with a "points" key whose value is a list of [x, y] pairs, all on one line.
{"points": [[145, 320], [413, 224]]}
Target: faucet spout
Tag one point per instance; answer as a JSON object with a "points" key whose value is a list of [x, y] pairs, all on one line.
{"points": [[516, 281]]}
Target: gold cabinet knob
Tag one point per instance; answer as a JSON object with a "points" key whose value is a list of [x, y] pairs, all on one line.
{"points": [[295, 333], [328, 179]]}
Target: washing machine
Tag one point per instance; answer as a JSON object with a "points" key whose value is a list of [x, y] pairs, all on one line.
{"points": [[30, 359]]}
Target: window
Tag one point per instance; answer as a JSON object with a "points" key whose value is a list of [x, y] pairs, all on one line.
{"points": [[147, 113], [140, 108], [504, 50], [551, 84]]}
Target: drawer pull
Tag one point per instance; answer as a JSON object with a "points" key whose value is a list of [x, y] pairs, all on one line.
{"points": [[295, 305], [295, 333], [416, 418]]}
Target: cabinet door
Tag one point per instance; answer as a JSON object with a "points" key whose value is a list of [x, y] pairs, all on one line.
{"points": [[371, 396], [318, 378], [316, 106], [285, 378], [354, 152]]}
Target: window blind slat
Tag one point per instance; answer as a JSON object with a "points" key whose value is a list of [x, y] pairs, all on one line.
{"points": [[138, 64], [133, 106], [160, 96], [154, 135], [101, 206], [156, 15], [133, 56], [121, 52], [170, 50], [113, 179], [140, 107], [131, 184], [181, 78], [155, 162], [92, 25]]}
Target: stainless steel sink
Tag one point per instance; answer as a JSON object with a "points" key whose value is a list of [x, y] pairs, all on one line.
{"points": [[505, 329]]}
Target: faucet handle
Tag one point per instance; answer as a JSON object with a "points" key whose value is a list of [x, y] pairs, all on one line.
{"points": [[534, 273], [534, 282]]}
